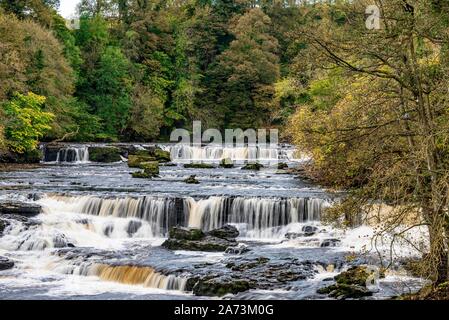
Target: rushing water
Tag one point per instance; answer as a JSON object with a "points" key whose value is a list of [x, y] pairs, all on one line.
{"points": [[100, 232]]}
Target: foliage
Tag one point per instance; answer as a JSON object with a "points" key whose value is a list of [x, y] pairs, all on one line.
{"points": [[25, 122]]}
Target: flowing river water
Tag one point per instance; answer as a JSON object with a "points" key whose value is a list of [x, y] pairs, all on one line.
{"points": [[100, 233]]}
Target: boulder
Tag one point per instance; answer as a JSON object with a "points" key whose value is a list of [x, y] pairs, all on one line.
{"points": [[227, 232], [227, 163], [161, 155], [199, 166], [330, 243], [350, 284], [282, 166], [196, 240], [134, 161], [253, 166], [104, 154], [192, 180], [20, 208], [190, 234], [151, 168], [6, 264], [219, 288], [309, 231]]}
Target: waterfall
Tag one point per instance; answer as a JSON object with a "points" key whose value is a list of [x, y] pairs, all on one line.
{"points": [[73, 154], [124, 274], [183, 152], [260, 216], [160, 213]]}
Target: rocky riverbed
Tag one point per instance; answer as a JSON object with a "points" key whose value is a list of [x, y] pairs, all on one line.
{"points": [[79, 229]]}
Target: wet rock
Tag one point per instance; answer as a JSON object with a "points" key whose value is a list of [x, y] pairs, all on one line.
{"points": [[6, 264], [227, 163], [150, 170], [227, 232], [309, 231], [133, 227], [238, 250], [282, 166], [3, 225], [60, 241], [196, 240], [104, 154], [134, 161], [247, 265], [20, 208], [161, 155], [207, 244], [293, 235], [253, 166], [108, 230], [350, 284], [219, 288], [141, 175], [51, 152], [330, 243], [343, 291], [168, 164], [192, 180], [180, 233], [199, 166]]}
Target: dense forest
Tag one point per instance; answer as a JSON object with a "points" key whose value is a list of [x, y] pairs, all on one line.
{"points": [[134, 70], [370, 105]]}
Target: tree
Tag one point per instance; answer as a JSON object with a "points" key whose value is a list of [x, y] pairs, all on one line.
{"points": [[41, 11], [387, 134], [113, 88], [25, 122], [251, 67]]}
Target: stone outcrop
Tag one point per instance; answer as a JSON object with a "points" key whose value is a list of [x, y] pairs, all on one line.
{"points": [[105, 154], [19, 208], [350, 284], [195, 240]]}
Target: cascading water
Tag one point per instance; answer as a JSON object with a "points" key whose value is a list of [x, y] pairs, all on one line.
{"points": [[124, 274], [183, 152], [261, 217], [73, 154]]}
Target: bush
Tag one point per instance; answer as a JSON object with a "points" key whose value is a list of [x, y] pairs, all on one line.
{"points": [[25, 122]]}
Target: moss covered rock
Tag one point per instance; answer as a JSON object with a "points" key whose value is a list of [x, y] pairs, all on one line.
{"points": [[350, 284], [191, 234], [253, 166], [196, 240], [151, 167], [161, 155], [104, 154], [141, 175], [134, 161], [227, 163]]}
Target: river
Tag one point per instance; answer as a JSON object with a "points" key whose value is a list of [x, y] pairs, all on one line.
{"points": [[100, 233]]}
